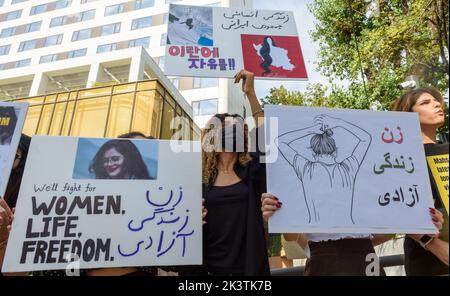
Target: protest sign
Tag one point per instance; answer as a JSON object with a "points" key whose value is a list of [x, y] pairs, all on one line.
{"points": [[106, 203], [437, 158]]}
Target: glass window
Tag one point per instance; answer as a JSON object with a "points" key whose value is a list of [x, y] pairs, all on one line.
{"points": [[86, 15], [163, 39], [16, 1], [81, 35], [120, 115], [205, 82], [27, 45], [113, 9], [53, 40], [38, 9], [47, 58], [165, 19], [6, 32], [58, 21], [161, 62], [4, 49], [139, 4], [205, 107], [144, 42], [87, 1], [106, 47], [22, 63], [77, 53], [57, 119], [2, 67], [89, 118], [13, 15], [147, 113], [63, 4], [36, 26], [2, 2], [140, 23], [168, 115], [110, 29]]}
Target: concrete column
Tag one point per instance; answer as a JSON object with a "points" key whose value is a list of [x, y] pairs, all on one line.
{"points": [[136, 68], [39, 84], [95, 74]]}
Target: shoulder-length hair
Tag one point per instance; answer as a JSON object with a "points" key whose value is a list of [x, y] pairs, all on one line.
{"points": [[133, 167], [209, 159], [406, 102]]}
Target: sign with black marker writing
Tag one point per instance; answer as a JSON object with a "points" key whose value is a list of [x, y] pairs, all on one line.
{"points": [[348, 171], [437, 158], [12, 118], [204, 41], [106, 203]]}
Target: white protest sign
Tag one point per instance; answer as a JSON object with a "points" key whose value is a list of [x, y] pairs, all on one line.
{"points": [[107, 202], [218, 42], [348, 171], [12, 118]]}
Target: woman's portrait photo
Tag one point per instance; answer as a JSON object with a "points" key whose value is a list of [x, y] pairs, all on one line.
{"points": [[118, 159]]}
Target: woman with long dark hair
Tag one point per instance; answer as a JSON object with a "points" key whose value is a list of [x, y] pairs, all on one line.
{"points": [[119, 159], [427, 254]]}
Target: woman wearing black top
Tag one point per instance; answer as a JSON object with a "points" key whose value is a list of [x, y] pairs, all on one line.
{"points": [[233, 181], [426, 255]]}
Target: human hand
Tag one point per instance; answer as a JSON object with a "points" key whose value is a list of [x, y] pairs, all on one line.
{"points": [[248, 81], [6, 218], [326, 122], [270, 204], [438, 221]]}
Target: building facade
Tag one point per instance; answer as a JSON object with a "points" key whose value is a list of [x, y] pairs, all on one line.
{"points": [[61, 46]]}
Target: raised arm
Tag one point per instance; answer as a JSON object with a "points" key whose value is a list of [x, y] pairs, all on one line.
{"points": [[360, 150], [283, 143], [248, 87]]}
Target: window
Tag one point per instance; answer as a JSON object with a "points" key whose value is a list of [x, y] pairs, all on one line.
{"points": [[22, 63], [63, 4], [165, 19], [140, 23], [8, 32], [163, 39], [139, 4], [2, 66], [110, 29], [106, 47], [16, 1], [144, 42], [205, 82], [171, 1], [161, 62], [81, 35], [205, 107], [58, 21], [27, 45], [2, 2], [86, 15], [113, 9], [47, 58], [4, 49], [87, 1], [53, 40], [33, 27], [77, 53], [38, 9], [13, 15]]}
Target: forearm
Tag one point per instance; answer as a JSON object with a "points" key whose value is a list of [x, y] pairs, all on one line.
{"points": [[439, 248], [255, 106], [358, 132], [295, 135]]}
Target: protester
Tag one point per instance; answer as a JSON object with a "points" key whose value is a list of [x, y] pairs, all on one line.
{"points": [[233, 179], [427, 254]]}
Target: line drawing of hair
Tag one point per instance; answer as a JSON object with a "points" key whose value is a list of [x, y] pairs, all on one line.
{"points": [[323, 143], [134, 166]]}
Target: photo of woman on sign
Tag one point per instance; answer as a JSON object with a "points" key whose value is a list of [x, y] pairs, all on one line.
{"points": [[119, 159]]}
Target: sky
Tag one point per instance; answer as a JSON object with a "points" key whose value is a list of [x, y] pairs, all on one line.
{"points": [[305, 24]]}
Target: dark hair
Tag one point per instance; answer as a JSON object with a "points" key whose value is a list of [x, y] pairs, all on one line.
{"points": [[133, 168], [132, 135], [406, 102], [15, 179], [323, 143]]}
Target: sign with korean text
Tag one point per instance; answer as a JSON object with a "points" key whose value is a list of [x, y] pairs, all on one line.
{"points": [[106, 203], [218, 42]]}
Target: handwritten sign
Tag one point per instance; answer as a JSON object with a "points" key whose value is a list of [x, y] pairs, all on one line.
{"points": [[12, 118], [437, 158], [106, 203], [347, 171], [217, 42]]}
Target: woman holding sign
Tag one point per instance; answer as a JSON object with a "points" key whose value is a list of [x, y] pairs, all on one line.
{"points": [[233, 180], [427, 254]]}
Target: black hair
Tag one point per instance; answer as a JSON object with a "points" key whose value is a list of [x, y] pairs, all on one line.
{"points": [[134, 166], [132, 135], [323, 143]]}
